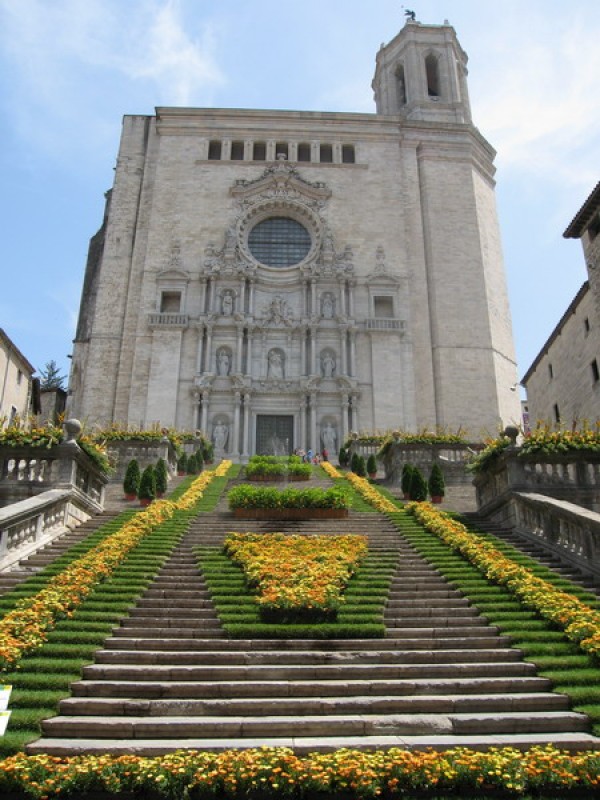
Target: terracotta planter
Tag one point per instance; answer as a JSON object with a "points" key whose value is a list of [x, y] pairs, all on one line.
{"points": [[436, 498], [290, 513], [372, 475], [145, 501], [131, 497]]}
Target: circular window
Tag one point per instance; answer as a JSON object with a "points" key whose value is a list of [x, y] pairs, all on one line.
{"points": [[279, 242]]}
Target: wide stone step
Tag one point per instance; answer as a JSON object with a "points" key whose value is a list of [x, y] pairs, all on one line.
{"points": [[420, 674], [571, 742], [256, 687], [273, 705], [395, 620], [179, 727], [505, 660], [178, 617]]}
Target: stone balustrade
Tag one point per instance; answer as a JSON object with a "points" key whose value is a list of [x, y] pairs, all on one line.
{"points": [[28, 471], [452, 459], [568, 531], [144, 452], [29, 524], [573, 477]]}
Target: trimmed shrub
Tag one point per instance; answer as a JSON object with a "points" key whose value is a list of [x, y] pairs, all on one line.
{"points": [[361, 467], [343, 457], [437, 485], [354, 462], [371, 465], [182, 463], [199, 460], [131, 483], [418, 486], [192, 465], [208, 452], [147, 489], [406, 478], [162, 476]]}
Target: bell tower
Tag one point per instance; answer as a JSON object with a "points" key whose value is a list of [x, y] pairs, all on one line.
{"points": [[422, 75]]}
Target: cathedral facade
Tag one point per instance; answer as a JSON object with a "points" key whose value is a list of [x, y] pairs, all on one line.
{"points": [[279, 279]]}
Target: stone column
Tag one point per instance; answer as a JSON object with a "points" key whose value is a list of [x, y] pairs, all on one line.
{"points": [[313, 297], [208, 365], [343, 343], [200, 329], [345, 405], [302, 431], [249, 353], [205, 398], [353, 352], [303, 351], [236, 424], [240, 342], [202, 295], [246, 436], [251, 299], [313, 422], [313, 350], [351, 285], [354, 406]]}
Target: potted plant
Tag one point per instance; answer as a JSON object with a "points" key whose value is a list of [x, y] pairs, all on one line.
{"points": [[199, 460], [208, 452], [162, 477], [361, 467], [372, 466], [131, 482], [182, 462], [192, 466], [437, 485], [405, 480], [418, 486], [147, 492]]}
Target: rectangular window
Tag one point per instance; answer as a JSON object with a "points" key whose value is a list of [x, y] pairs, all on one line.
{"points": [[595, 371], [259, 151], [586, 325], [170, 302], [383, 307], [556, 414], [326, 154], [237, 151], [303, 152], [19, 377], [348, 156], [214, 150], [550, 371]]}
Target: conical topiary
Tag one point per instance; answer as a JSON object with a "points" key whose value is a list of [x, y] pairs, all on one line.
{"points": [[407, 470], [147, 491], [343, 457], [131, 482], [208, 452], [371, 466], [418, 486], [192, 466], [437, 485], [361, 467], [199, 460], [354, 461], [182, 464], [162, 477]]}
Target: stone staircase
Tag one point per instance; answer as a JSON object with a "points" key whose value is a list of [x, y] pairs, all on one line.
{"points": [[532, 549], [168, 678], [11, 578]]}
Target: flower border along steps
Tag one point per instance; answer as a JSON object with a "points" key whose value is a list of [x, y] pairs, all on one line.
{"points": [[169, 679]]}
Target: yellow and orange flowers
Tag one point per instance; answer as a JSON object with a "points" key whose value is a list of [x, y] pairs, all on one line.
{"points": [[298, 576], [370, 493], [579, 622], [281, 772], [26, 627]]}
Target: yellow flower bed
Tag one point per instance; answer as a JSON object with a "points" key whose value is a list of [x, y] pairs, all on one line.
{"points": [[280, 772], [370, 493], [579, 622], [297, 572], [331, 470], [26, 627]]}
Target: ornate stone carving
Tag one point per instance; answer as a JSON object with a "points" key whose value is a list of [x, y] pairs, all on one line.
{"points": [[276, 364], [223, 362], [277, 312], [328, 364], [220, 436]]}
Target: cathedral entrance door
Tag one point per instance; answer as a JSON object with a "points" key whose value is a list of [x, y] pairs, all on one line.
{"points": [[274, 434]]}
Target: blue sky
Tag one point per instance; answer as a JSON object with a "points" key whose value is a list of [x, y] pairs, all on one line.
{"points": [[70, 69]]}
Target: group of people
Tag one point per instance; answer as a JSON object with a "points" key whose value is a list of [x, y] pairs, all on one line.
{"points": [[309, 457]]}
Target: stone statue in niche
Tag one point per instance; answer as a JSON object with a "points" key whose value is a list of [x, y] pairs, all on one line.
{"points": [[220, 435], [328, 365], [275, 365], [327, 306], [223, 363], [329, 438], [227, 303]]}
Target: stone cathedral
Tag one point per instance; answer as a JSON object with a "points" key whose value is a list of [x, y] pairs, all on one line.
{"points": [[279, 279]]}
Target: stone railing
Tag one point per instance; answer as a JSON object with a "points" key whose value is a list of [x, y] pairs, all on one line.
{"points": [[30, 524], [29, 471], [568, 531], [452, 459], [121, 453], [572, 476]]}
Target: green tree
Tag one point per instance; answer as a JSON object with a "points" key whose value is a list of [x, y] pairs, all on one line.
{"points": [[131, 482], [50, 377], [418, 486], [162, 476], [147, 489], [372, 465]]}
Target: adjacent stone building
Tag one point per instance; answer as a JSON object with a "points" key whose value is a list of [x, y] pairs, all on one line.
{"points": [[563, 382], [280, 278], [16, 374]]}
